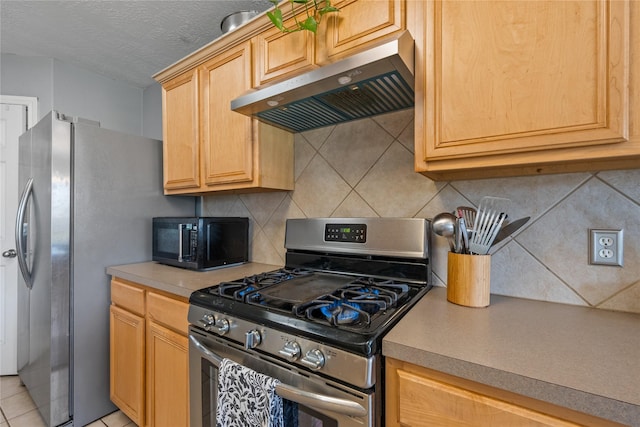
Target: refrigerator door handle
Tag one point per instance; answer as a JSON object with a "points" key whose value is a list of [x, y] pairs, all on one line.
{"points": [[22, 208]]}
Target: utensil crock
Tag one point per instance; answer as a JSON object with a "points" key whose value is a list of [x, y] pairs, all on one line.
{"points": [[469, 279]]}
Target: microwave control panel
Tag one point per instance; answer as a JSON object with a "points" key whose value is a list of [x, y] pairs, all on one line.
{"points": [[190, 245]]}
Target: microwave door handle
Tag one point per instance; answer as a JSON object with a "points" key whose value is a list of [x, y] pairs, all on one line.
{"points": [[19, 233], [180, 242], [294, 394]]}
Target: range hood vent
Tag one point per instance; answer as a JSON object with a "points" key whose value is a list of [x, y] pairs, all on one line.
{"points": [[376, 81]]}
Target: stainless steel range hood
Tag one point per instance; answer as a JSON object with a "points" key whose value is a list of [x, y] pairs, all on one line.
{"points": [[376, 81]]}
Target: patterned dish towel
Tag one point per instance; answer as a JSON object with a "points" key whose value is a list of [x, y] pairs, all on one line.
{"points": [[247, 398]]}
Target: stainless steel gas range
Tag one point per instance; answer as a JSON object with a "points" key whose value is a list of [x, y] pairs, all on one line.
{"points": [[317, 324]]}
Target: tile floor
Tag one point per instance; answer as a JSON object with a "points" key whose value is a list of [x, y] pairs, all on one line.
{"points": [[18, 410]]}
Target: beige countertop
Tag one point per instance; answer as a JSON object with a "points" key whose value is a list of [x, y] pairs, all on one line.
{"points": [[582, 358], [180, 281]]}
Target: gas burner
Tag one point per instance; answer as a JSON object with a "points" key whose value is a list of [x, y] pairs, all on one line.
{"points": [[341, 312], [369, 288], [355, 303], [338, 311], [239, 289]]}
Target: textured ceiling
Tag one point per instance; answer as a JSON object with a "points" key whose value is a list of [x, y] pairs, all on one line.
{"points": [[123, 40]]}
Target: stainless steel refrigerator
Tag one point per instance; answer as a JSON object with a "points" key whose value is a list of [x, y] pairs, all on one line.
{"points": [[88, 196]]}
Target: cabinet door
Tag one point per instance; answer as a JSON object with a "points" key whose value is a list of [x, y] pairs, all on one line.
{"points": [[227, 140], [167, 377], [127, 363], [279, 54], [180, 130], [358, 24], [519, 83], [417, 396]]}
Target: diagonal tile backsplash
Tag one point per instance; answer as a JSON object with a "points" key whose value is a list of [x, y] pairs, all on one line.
{"points": [[365, 168]]}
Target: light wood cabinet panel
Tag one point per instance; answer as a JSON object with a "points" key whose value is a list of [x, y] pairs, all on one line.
{"points": [[232, 152], [168, 312], [416, 397], [228, 142], [127, 363], [514, 88], [280, 55], [181, 145], [128, 297], [149, 355], [358, 25], [167, 377]]}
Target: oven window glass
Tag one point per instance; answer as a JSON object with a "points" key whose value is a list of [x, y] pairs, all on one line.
{"points": [[295, 415], [307, 417]]}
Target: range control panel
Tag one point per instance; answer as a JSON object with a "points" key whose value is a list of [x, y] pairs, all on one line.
{"points": [[352, 233]]}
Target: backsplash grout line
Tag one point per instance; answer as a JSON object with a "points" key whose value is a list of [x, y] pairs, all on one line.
{"points": [[546, 260]]}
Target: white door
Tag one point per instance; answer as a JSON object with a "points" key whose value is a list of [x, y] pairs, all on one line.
{"points": [[13, 122]]}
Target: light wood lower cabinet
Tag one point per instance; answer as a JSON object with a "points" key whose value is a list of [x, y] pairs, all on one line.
{"points": [[416, 396], [127, 363], [149, 355]]}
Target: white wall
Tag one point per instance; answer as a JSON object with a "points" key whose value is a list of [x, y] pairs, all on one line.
{"points": [[73, 91], [28, 76], [152, 111]]}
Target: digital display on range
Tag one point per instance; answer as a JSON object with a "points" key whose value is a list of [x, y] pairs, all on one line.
{"points": [[351, 233]]}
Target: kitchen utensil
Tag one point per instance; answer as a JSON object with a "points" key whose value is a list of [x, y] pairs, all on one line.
{"points": [[444, 224], [489, 218], [468, 213], [510, 228], [465, 236], [483, 239], [458, 236]]}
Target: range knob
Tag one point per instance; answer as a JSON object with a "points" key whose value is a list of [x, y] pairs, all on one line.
{"points": [[291, 350], [207, 322], [222, 326], [313, 359], [252, 339]]}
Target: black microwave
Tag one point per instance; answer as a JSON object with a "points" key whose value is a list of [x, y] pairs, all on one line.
{"points": [[200, 243]]}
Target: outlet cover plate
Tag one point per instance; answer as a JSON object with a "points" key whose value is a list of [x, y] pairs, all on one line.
{"points": [[605, 247]]}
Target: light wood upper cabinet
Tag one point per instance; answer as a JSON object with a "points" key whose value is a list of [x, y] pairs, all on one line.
{"points": [[357, 25], [227, 139], [512, 88], [420, 397], [279, 55], [209, 148], [181, 147]]}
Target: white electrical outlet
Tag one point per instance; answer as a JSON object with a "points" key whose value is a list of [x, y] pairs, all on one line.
{"points": [[605, 247]]}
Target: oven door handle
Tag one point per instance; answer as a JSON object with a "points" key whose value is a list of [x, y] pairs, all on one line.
{"points": [[294, 394]]}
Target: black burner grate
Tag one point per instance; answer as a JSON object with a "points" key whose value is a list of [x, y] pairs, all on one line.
{"points": [[239, 289], [356, 303]]}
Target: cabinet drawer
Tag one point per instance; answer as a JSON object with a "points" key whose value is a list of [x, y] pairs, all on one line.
{"points": [[167, 311], [127, 296]]}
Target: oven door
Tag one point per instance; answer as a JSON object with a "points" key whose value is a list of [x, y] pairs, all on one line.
{"points": [[320, 402]]}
